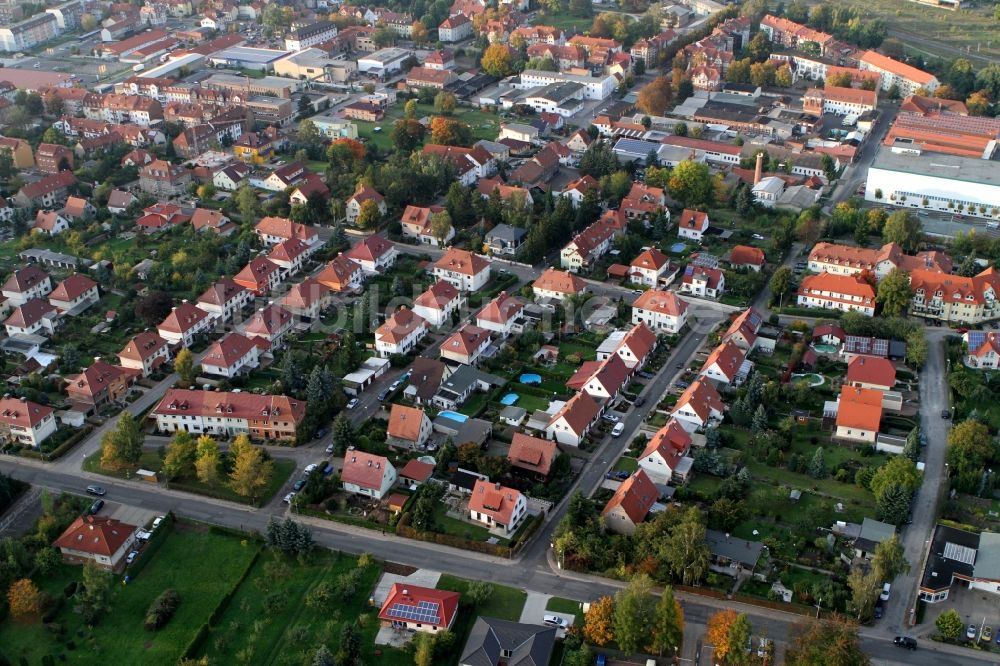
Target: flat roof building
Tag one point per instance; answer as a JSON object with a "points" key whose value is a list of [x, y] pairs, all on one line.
{"points": [[247, 57]]}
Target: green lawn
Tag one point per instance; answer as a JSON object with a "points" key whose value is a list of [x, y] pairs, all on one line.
{"points": [[505, 603], [560, 605], [460, 528], [484, 125], [626, 464], [199, 565], [268, 621]]}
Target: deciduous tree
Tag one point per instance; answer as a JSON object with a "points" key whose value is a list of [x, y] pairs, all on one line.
{"points": [[207, 459], [894, 292], [181, 455], [949, 624], [445, 103], [598, 627], [667, 624], [826, 643], [369, 215], [970, 447], [691, 184], [904, 229], [718, 632], [251, 471], [184, 367], [634, 609], [899, 470], [685, 552], [655, 96], [122, 446], [441, 226], [498, 60], [24, 598]]}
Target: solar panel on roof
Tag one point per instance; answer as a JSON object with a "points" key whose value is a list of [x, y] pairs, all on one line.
{"points": [[976, 339], [963, 554], [424, 611]]}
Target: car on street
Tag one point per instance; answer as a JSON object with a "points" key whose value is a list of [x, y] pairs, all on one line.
{"points": [[945, 414], [970, 633], [352, 403], [618, 429], [878, 610], [987, 634], [158, 520], [395, 385], [330, 448], [321, 433], [682, 385], [679, 366], [644, 374], [96, 507], [96, 490], [905, 642], [884, 595], [299, 485], [288, 498], [310, 468], [383, 394], [640, 401]]}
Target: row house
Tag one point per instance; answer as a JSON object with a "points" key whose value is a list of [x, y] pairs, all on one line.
{"points": [[849, 260], [227, 414], [794, 35], [307, 299], [225, 299], [632, 346], [49, 192], [725, 364], [100, 384], [601, 380], [145, 353], [341, 274], [115, 108], [744, 330], [838, 292], [665, 458], [230, 356], [184, 324], [954, 298], [269, 325], [571, 424], [699, 406]]}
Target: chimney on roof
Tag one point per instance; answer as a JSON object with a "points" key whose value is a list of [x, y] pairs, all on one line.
{"points": [[758, 170]]}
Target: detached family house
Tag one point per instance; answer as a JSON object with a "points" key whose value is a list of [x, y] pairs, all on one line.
{"points": [[630, 504], [409, 428], [497, 506], [573, 421]]}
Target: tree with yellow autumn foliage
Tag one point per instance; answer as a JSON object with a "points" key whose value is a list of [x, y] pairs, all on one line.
{"points": [[24, 598], [598, 623]]}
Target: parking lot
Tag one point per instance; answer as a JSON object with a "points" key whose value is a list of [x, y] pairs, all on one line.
{"points": [[976, 607]]}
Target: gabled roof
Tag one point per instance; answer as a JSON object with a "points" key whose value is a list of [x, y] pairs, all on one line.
{"points": [[208, 219], [178, 402], [437, 296], [728, 357], [399, 326], [142, 346], [694, 219], [256, 272], [285, 228], [96, 535], [532, 453], [635, 496], [303, 295], [288, 250], [416, 470], [24, 279], [701, 398], [182, 318], [46, 220], [466, 341], [871, 370], [364, 469], [370, 249], [501, 309], [365, 193], [579, 412], [860, 408], [640, 340], [96, 378], [72, 287], [268, 321], [48, 184], [492, 642], [221, 292], [611, 373], [423, 605], [405, 422], [224, 353], [671, 442], [651, 259], [22, 413], [494, 500], [338, 271], [29, 314]]}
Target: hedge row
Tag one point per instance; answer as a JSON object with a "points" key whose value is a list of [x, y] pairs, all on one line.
{"points": [[62, 449], [159, 535]]}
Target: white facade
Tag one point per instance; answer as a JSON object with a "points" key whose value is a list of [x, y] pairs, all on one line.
{"points": [[464, 281], [596, 88], [660, 322]]}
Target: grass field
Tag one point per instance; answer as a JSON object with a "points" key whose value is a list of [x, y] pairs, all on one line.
{"points": [[269, 622], [199, 565], [505, 603], [560, 605], [934, 31], [484, 125]]}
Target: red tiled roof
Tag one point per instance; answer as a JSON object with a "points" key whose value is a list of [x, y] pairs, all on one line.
{"points": [[671, 442], [501, 309], [742, 255], [285, 228], [364, 469], [494, 500], [871, 370], [96, 378], [182, 318], [24, 279], [694, 219], [405, 596], [579, 411], [417, 470], [562, 282], [532, 453], [29, 314], [303, 295], [636, 496], [702, 398], [221, 292], [22, 413], [397, 327], [437, 296], [729, 358], [232, 405], [72, 287], [97, 535], [860, 408], [900, 69], [462, 261], [370, 249], [465, 341], [651, 259], [663, 302], [227, 351], [405, 422], [142, 346]]}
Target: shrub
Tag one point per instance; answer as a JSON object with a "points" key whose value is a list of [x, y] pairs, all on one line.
{"points": [[162, 609]]}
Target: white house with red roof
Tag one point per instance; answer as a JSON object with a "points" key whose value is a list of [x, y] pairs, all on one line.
{"points": [[662, 311], [26, 423], [466, 345], [665, 457], [414, 608], [576, 191], [290, 256], [224, 299], [409, 427], [501, 315], [557, 285], [50, 223], [982, 350], [724, 364], [102, 540], [145, 352], [375, 254], [34, 317], [260, 276], [871, 372], [703, 282], [400, 333], [573, 421], [630, 504], [693, 225], [185, 323], [745, 257], [497, 506], [361, 195], [270, 325], [74, 295], [837, 292], [649, 267], [212, 220], [743, 332], [273, 230], [601, 380], [367, 474], [859, 414], [307, 299], [25, 284], [583, 251], [699, 406], [341, 274], [415, 473], [632, 346], [416, 221], [463, 269], [231, 356], [226, 413], [437, 304]]}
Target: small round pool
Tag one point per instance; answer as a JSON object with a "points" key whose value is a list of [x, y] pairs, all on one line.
{"points": [[454, 416], [678, 247], [509, 399], [825, 348], [812, 378], [530, 378]]}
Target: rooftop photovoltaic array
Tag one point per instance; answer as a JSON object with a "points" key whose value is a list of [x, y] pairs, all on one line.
{"points": [[423, 611]]}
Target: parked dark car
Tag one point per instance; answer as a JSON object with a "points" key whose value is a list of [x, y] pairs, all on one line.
{"points": [[299, 485], [640, 401], [96, 507], [96, 490], [905, 642]]}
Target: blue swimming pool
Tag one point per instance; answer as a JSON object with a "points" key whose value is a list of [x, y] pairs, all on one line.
{"points": [[530, 378], [454, 416], [678, 247], [509, 399]]}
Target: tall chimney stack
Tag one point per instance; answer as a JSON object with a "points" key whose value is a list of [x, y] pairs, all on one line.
{"points": [[758, 170]]}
